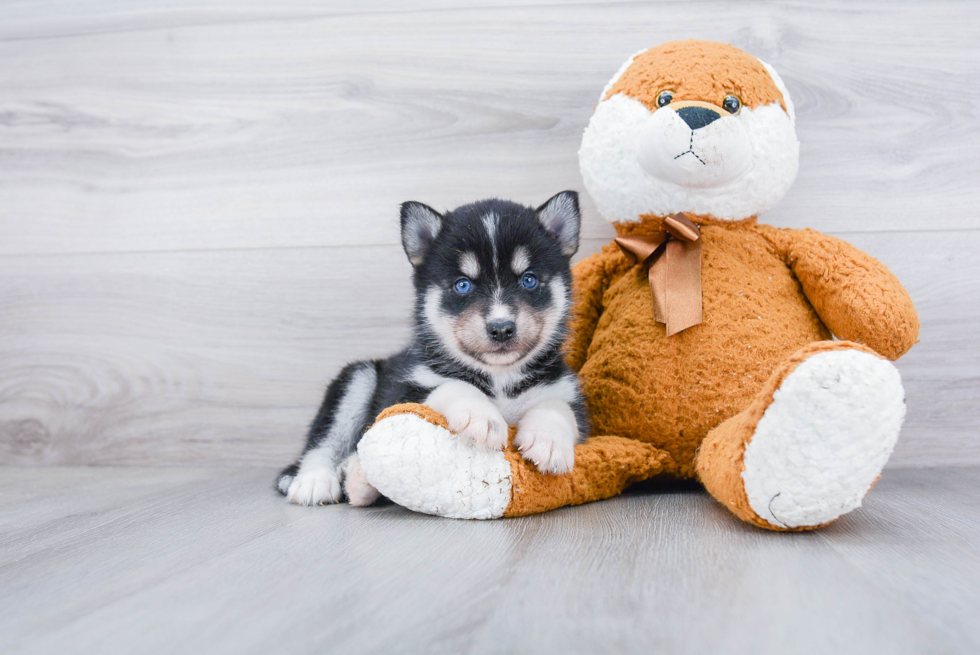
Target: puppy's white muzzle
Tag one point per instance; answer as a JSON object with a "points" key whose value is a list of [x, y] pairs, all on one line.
{"points": [[668, 149]]}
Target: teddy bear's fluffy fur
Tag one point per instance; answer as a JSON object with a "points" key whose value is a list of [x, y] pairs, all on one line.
{"points": [[766, 293], [745, 401]]}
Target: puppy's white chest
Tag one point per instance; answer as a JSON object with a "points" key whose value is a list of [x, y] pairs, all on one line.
{"points": [[513, 408]]}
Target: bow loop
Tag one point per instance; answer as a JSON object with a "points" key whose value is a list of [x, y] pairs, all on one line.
{"points": [[681, 227], [638, 249], [673, 258]]}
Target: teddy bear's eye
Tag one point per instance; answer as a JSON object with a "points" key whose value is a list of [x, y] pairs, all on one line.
{"points": [[664, 98], [732, 104]]}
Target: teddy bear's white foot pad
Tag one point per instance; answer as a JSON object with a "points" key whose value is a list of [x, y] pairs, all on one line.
{"points": [[428, 469], [825, 438]]}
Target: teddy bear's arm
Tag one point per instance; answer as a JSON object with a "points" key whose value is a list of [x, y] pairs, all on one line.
{"points": [[854, 294], [590, 279]]}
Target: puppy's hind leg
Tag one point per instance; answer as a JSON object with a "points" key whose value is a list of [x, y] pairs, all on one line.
{"points": [[315, 479]]}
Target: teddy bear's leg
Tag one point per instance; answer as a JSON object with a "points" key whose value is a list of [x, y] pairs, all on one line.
{"points": [[812, 442], [412, 457]]}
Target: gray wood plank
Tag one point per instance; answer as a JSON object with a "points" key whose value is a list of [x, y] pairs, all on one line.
{"points": [[940, 559], [221, 357], [197, 560], [227, 127]]}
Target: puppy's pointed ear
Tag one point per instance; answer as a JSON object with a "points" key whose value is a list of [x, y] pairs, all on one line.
{"points": [[561, 218], [420, 227]]}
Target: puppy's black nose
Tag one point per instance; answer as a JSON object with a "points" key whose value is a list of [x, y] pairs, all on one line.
{"points": [[501, 330], [697, 117]]}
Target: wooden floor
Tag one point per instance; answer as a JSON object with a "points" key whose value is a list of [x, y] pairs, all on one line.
{"points": [[130, 560]]}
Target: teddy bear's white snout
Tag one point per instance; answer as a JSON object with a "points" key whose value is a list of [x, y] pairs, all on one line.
{"points": [[668, 149]]}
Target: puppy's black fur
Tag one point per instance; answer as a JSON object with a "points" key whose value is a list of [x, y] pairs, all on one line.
{"points": [[496, 237]]}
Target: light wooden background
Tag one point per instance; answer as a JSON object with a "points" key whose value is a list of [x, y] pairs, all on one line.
{"points": [[198, 199]]}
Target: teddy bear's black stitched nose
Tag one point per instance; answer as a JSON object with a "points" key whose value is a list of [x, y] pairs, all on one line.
{"points": [[698, 117]]}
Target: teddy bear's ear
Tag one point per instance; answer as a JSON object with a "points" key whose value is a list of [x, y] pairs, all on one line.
{"points": [[420, 227], [560, 217]]}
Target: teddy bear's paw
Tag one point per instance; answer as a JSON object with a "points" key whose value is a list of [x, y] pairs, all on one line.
{"points": [[824, 439], [479, 421], [420, 464], [358, 490], [315, 485], [547, 438]]}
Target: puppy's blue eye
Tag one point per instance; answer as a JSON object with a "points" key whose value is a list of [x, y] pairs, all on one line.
{"points": [[529, 280], [463, 286]]}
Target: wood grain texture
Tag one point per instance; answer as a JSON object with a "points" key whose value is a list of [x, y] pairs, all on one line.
{"points": [[180, 126], [194, 560], [197, 200], [221, 357]]}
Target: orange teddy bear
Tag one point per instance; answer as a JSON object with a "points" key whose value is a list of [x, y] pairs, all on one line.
{"points": [[703, 339]]}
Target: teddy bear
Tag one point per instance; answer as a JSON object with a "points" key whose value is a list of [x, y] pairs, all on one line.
{"points": [[709, 345]]}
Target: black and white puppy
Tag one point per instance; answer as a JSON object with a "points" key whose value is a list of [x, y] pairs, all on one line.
{"points": [[492, 295]]}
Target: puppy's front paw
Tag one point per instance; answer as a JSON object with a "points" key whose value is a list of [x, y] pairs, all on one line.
{"points": [[315, 486], [480, 422], [545, 438]]}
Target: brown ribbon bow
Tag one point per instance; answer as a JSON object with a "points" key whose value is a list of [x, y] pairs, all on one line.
{"points": [[674, 260]]}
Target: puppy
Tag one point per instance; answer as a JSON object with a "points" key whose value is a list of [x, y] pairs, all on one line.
{"points": [[492, 294]]}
